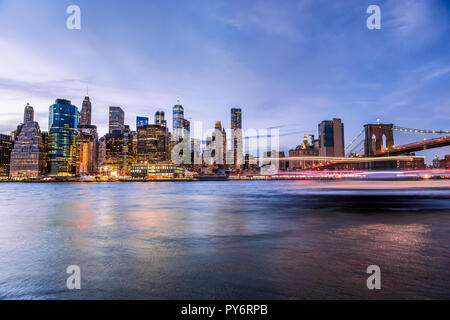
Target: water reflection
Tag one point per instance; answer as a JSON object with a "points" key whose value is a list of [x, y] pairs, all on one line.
{"points": [[229, 240]]}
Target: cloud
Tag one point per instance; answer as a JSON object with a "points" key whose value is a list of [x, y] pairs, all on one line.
{"points": [[268, 17], [439, 73]]}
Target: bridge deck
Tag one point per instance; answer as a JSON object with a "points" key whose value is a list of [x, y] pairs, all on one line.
{"points": [[413, 147]]}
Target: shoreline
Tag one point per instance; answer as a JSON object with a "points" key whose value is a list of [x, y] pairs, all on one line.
{"points": [[444, 180]]}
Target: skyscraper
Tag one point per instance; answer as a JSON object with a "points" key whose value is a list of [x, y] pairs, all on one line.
{"points": [[28, 114], [62, 147], [141, 121], [5, 154], [116, 120], [101, 154], [236, 118], [236, 137], [159, 119], [119, 151], [87, 149], [178, 119], [87, 141], [152, 144], [86, 112], [220, 139], [28, 154], [331, 138]]}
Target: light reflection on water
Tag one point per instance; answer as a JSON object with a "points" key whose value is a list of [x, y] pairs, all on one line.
{"points": [[224, 240]]}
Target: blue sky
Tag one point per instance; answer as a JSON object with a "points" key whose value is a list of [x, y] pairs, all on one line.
{"points": [[290, 64]]}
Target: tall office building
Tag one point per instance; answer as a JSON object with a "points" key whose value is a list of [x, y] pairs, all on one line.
{"points": [[236, 118], [86, 112], [119, 151], [152, 144], [331, 138], [5, 154], [220, 136], [62, 136], [28, 114], [101, 153], [141, 121], [87, 150], [116, 120], [87, 141], [159, 119], [28, 154], [237, 138], [178, 119]]}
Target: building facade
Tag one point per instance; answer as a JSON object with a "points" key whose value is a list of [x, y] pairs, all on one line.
{"points": [[141, 121], [445, 163], [219, 138], [250, 164], [331, 138], [86, 112], [237, 138], [62, 136], [28, 114], [178, 119], [87, 150], [152, 144], [118, 153], [157, 171], [28, 154], [116, 120], [159, 119], [101, 153], [6, 145], [306, 149]]}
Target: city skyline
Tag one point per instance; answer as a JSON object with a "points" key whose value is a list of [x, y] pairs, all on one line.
{"points": [[224, 156], [215, 56]]}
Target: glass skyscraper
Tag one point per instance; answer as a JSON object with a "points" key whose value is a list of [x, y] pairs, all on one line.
{"points": [[159, 119], [116, 120], [178, 119], [141, 121], [62, 146]]}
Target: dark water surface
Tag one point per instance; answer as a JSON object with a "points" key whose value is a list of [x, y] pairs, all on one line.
{"points": [[222, 240]]}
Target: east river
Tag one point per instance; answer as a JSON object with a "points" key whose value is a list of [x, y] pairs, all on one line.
{"points": [[225, 240]]}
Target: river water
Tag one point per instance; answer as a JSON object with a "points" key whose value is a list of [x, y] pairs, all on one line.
{"points": [[224, 240]]}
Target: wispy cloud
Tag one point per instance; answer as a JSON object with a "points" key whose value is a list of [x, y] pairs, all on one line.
{"points": [[439, 73]]}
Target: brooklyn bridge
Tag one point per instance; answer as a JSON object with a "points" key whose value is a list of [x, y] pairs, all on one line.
{"points": [[373, 148]]}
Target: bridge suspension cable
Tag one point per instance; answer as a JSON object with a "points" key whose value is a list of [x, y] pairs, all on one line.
{"points": [[354, 139], [357, 148], [410, 130]]}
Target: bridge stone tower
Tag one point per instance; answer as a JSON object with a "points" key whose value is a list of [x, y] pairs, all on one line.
{"points": [[378, 137]]}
